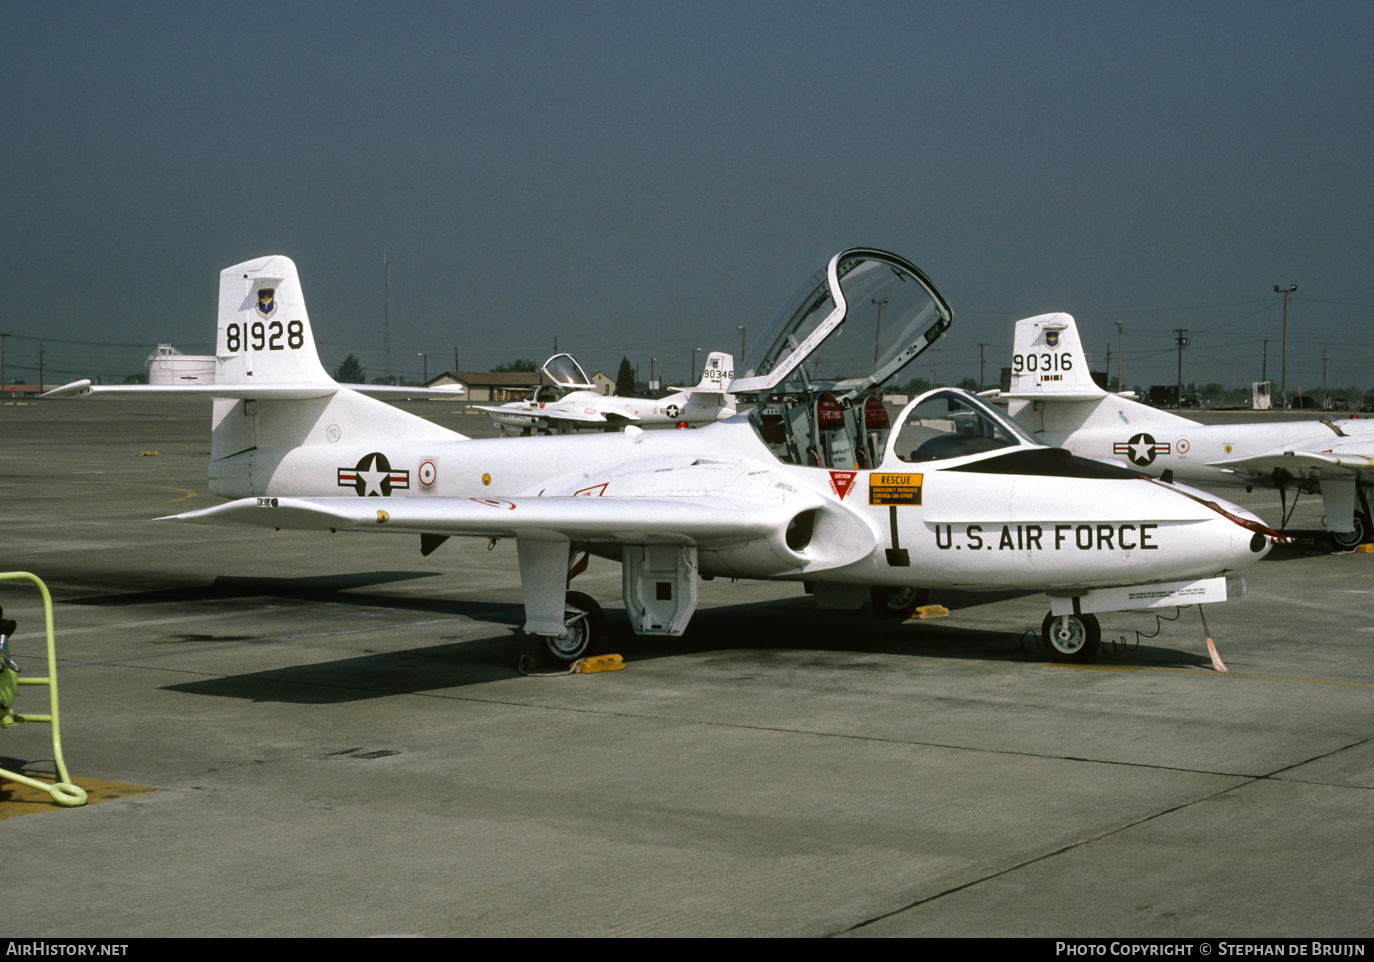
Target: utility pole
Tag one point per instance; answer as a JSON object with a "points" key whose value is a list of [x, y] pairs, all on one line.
{"points": [[1182, 343], [426, 357], [40, 367], [386, 317], [1283, 384], [878, 331], [2, 359], [741, 330], [1264, 362], [1108, 366], [692, 375], [981, 345], [1323, 379], [1119, 335]]}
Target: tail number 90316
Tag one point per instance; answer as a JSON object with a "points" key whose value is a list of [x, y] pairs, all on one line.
{"points": [[1041, 362], [264, 335]]}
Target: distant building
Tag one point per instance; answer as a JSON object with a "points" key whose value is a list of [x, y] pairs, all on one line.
{"points": [[604, 385], [492, 385]]}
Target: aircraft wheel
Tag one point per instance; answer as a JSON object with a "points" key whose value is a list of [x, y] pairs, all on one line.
{"points": [[898, 603], [1350, 540], [1071, 638], [586, 624]]}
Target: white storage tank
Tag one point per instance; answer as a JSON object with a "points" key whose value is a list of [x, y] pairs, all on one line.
{"points": [[167, 365]]}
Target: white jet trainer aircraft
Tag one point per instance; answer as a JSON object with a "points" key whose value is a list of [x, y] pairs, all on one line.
{"points": [[1053, 394], [814, 485], [571, 402]]}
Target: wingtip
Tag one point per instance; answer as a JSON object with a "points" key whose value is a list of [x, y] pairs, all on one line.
{"points": [[75, 389]]}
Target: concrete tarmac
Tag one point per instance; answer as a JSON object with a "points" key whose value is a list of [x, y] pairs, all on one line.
{"points": [[342, 746]]}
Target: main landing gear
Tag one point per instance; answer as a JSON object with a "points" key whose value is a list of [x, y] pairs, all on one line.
{"points": [[1350, 540], [899, 603], [586, 629], [1071, 637]]}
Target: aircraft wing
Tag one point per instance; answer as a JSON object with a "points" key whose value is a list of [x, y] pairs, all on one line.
{"points": [[499, 409], [586, 416], [269, 391], [705, 522], [1339, 461]]}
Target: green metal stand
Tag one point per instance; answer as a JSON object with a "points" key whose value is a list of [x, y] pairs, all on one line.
{"points": [[63, 792]]}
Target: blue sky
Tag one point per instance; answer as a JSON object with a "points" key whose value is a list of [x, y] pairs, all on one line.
{"points": [[641, 178]]}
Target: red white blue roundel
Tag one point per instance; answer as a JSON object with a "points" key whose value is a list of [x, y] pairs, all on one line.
{"points": [[428, 473]]}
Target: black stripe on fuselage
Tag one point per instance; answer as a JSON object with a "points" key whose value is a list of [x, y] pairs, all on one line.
{"points": [[1048, 463]]}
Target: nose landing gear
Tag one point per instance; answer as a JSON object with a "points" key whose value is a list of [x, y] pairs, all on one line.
{"points": [[1072, 638]]}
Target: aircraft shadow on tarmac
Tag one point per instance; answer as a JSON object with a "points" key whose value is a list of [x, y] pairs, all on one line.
{"points": [[752, 635], [326, 589], [314, 588], [1308, 544]]}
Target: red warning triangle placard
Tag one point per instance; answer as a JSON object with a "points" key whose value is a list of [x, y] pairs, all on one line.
{"points": [[842, 481]]}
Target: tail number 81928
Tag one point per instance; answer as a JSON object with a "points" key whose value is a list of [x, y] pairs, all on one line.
{"points": [[262, 335]]}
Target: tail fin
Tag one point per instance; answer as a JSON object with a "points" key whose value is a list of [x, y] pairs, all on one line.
{"points": [[1054, 395], [1047, 361], [264, 332], [718, 372], [272, 393]]}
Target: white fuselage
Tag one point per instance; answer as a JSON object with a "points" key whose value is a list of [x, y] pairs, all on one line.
{"points": [[1153, 441], [959, 528], [589, 409]]}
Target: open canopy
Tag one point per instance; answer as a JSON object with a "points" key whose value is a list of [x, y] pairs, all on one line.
{"points": [[566, 372], [851, 326]]}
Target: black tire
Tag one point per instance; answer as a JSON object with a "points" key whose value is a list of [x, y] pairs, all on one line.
{"points": [[1078, 643], [1350, 540], [586, 624], [898, 603]]}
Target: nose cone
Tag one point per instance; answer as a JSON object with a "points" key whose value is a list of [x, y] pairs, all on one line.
{"points": [[1240, 536]]}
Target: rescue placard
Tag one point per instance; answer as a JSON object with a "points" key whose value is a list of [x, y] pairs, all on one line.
{"points": [[894, 488]]}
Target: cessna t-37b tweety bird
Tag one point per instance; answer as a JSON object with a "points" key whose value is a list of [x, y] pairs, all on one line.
{"points": [[1053, 394], [571, 402], [814, 485]]}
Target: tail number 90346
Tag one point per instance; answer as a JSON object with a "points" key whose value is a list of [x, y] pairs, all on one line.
{"points": [[264, 335]]}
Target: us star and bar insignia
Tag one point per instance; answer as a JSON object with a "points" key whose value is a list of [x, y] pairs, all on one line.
{"points": [[1142, 449], [374, 477]]}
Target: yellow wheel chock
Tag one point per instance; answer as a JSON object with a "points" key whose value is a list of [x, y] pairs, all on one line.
{"points": [[63, 791]]}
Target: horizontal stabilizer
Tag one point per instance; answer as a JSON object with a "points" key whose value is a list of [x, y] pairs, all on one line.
{"points": [[701, 521], [1052, 395], [281, 391]]}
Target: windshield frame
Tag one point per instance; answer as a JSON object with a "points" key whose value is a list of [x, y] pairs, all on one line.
{"points": [[566, 376], [1022, 438], [804, 301]]}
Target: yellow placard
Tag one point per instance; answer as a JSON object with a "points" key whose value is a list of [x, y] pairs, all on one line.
{"points": [[894, 488]]}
